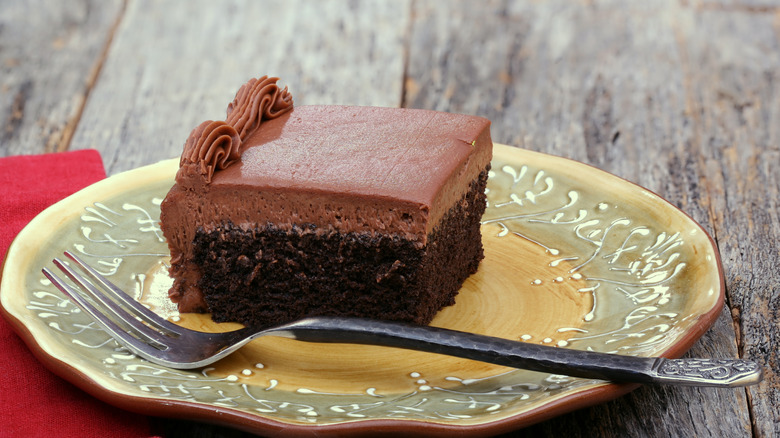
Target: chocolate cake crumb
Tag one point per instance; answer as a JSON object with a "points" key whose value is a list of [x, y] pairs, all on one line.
{"points": [[268, 276]]}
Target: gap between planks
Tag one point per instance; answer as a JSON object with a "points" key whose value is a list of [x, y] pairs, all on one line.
{"points": [[67, 133], [407, 54]]}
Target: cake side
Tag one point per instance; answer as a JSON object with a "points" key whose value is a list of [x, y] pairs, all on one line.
{"points": [[267, 275]]}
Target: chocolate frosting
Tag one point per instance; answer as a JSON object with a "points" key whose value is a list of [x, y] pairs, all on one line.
{"points": [[392, 171], [211, 146], [216, 145], [257, 100]]}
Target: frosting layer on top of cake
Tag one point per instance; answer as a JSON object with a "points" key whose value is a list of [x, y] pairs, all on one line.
{"points": [[412, 162], [342, 169]]}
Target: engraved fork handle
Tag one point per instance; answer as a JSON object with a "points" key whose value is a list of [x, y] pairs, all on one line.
{"points": [[706, 372], [577, 363]]}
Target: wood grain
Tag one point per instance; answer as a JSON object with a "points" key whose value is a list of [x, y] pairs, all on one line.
{"points": [[50, 54], [735, 109]]}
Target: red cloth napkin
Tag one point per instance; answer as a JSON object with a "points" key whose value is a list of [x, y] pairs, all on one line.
{"points": [[33, 401]]}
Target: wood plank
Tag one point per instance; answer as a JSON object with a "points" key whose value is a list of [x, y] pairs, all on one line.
{"points": [[49, 54], [733, 102], [604, 83], [167, 71]]}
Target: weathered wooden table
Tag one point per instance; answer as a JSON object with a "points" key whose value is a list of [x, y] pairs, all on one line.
{"points": [[681, 97]]}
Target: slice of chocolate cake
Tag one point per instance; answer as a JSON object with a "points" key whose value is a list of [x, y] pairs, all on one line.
{"points": [[280, 213]]}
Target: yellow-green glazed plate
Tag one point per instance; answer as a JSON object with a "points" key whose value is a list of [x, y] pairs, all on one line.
{"points": [[575, 258]]}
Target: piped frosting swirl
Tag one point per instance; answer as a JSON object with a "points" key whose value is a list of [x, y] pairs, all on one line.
{"points": [[211, 146], [257, 100], [215, 145]]}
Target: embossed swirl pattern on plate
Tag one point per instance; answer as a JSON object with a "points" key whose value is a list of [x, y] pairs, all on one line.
{"points": [[620, 258], [616, 255]]}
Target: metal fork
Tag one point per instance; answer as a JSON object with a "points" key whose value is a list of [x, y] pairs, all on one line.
{"points": [[149, 336]]}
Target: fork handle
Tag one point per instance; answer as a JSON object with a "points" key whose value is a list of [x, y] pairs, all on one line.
{"points": [[576, 363]]}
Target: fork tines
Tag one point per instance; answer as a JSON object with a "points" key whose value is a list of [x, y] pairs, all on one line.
{"points": [[124, 318]]}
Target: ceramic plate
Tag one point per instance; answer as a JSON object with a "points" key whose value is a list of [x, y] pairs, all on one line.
{"points": [[575, 258]]}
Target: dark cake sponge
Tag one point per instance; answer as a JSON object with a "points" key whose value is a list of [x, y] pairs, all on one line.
{"points": [[268, 276]]}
